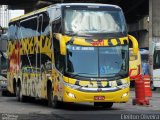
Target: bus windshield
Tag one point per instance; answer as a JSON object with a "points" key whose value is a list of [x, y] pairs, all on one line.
{"points": [[156, 61], [94, 21], [97, 61]]}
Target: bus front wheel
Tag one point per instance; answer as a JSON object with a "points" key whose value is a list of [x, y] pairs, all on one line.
{"points": [[103, 104], [52, 101]]}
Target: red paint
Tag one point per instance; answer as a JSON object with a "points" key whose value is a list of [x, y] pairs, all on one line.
{"points": [[15, 59], [98, 43]]}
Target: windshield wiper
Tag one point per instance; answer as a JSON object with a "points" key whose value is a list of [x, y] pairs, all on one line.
{"points": [[78, 34], [121, 75], [81, 74], [116, 75], [71, 33]]}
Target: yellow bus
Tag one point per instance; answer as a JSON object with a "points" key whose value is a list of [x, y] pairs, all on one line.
{"points": [[70, 53], [135, 67]]}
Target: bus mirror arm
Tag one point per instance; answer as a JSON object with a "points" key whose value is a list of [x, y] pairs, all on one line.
{"points": [[134, 43], [63, 47]]}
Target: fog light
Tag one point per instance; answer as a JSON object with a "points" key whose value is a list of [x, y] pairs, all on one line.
{"points": [[124, 95], [71, 95]]}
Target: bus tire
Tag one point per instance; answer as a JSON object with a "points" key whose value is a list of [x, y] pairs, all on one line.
{"points": [[103, 104], [19, 95], [153, 88], [4, 93], [52, 101]]}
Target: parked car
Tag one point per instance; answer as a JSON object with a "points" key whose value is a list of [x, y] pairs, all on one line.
{"points": [[3, 83]]}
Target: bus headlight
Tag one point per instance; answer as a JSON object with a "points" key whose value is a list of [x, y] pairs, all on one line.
{"points": [[123, 86], [125, 94], [71, 85], [71, 95]]}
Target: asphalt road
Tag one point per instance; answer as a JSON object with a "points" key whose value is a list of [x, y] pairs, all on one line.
{"points": [[38, 110]]}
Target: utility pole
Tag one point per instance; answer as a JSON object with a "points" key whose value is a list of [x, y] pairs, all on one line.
{"points": [[1, 32], [0, 49]]}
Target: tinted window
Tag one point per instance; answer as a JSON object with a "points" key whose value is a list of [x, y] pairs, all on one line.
{"points": [[97, 61], [59, 59], [28, 28], [43, 24], [56, 25], [12, 31]]}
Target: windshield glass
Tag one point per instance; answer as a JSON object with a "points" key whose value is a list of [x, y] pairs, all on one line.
{"points": [[94, 21], [156, 61], [97, 61]]}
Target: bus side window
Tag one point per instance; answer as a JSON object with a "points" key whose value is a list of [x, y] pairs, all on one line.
{"points": [[12, 31], [56, 25], [43, 27], [58, 58], [28, 28]]}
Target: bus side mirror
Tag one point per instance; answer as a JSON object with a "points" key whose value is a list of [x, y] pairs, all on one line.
{"points": [[63, 47], [134, 43]]}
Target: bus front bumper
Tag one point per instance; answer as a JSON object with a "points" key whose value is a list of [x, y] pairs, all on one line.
{"points": [[72, 95]]}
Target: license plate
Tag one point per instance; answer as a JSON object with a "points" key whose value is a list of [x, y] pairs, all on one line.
{"points": [[99, 97]]}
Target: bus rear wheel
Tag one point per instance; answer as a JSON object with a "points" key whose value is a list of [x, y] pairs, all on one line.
{"points": [[152, 87], [103, 104], [19, 95], [52, 101]]}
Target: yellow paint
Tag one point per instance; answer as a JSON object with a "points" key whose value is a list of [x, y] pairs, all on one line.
{"points": [[81, 41], [134, 62], [114, 41], [63, 48], [123, 39], [134, 43], [106, 42], [84, 83], [29, 14], [104, 83], [72, 81], [65, 79], [89, 96]]}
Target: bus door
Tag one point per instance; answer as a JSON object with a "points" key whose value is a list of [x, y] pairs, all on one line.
{"points": [[44, 64], [58, 58], [156, 66]]}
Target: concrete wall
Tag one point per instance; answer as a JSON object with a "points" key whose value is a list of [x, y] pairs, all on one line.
{"points": [[154, 27], [156, 18], [140, 30]]}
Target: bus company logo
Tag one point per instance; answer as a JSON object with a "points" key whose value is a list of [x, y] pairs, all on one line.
{"points": [[98, 43], [99, 90]]}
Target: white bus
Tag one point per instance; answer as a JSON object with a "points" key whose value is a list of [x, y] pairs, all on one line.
{"points": [[156, 65]]}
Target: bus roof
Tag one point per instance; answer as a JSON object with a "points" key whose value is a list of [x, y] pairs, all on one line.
{"points": [[28, 14], [87, 4], [61, 5]]}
